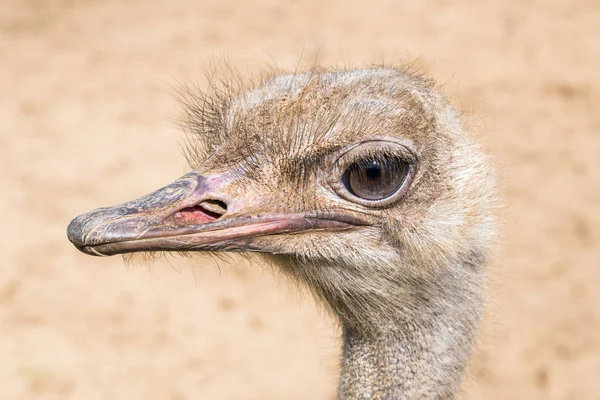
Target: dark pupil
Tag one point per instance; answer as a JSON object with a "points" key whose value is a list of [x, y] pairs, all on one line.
{"points": [[375, 179], [373, 171]]}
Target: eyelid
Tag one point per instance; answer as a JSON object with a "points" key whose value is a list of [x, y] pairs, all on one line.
{"points": [[376, 152], [405, 144]]}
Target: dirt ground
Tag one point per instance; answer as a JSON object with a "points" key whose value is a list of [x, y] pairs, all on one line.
{"points": [[86, 120]]}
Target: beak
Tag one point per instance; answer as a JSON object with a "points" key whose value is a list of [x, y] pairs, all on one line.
{"points": [[186, 216]]}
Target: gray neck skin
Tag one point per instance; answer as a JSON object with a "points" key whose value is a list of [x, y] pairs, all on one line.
{"points": [[397, 367], [419, 359]]}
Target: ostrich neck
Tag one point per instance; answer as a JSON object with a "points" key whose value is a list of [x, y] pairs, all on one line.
{"points": [[422, 358], [397, 367]]}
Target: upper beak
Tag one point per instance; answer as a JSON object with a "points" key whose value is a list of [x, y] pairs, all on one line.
{"points": [[189, 215]]}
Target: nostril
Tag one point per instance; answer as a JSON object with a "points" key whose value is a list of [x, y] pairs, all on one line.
{"points": [[215, 207], [203, 212]]}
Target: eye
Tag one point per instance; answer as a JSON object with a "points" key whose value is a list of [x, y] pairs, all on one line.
{"points": [[375, 179]]}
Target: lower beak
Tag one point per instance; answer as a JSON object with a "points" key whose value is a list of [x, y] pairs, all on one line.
{"points": [[183, 216]]}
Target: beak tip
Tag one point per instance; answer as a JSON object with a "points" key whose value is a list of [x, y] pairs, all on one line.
{"points": [[76, 233]]}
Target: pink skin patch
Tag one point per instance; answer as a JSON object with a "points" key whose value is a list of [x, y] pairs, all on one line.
{"points": [[195, 215]]}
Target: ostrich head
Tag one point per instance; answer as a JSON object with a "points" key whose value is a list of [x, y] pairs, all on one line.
{"points": [[361, 184]]}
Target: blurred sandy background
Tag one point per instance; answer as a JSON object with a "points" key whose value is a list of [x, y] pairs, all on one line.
{"points": [[86, 120]]}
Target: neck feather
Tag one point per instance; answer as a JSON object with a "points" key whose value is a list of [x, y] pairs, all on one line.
{"points": [[418, 365], [407, 334], [418, 357]]}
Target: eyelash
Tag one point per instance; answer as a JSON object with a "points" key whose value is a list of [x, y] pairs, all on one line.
{"points": [[376, 154]]}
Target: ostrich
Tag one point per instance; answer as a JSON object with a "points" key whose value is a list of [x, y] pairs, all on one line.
{"points": [[360, 184]]}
